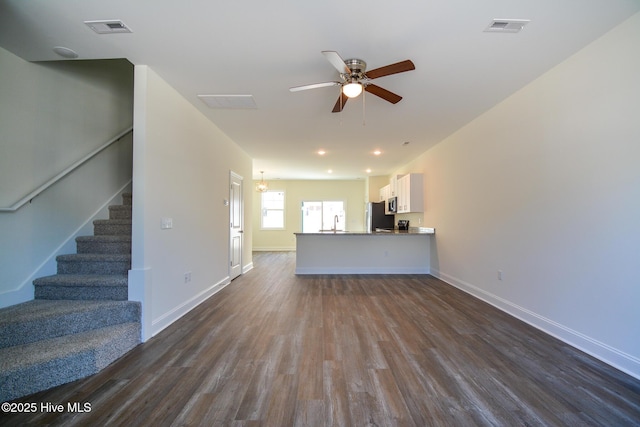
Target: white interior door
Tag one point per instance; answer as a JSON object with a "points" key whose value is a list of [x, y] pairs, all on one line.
{"points": [[236, 232]]}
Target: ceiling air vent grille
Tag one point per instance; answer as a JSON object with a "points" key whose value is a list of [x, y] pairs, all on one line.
{"points": [[506, 25], [108, 27]]}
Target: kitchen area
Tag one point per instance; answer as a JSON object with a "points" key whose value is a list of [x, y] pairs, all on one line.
{"points": [[385, 246]]}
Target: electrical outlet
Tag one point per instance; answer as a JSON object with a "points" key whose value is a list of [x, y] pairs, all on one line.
{"points": [[499, 274], [187, 277]]}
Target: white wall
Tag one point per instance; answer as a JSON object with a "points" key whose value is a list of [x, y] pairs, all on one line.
{"points": [[52, 115], [351, 192], [546, 188], [181, 171]]}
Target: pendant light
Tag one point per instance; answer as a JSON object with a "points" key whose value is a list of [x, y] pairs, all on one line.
{"points": [[262, 186]]}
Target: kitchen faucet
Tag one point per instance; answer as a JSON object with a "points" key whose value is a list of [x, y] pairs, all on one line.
{"points": [[335, 223]]}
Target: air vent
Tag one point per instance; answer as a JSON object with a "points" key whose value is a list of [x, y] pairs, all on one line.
{"points": [[230, 102], [108, 27], [506, 25]]}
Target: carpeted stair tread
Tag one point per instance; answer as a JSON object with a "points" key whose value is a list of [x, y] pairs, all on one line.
{"points": [[29, 368], [82, 279], [122, 221], [104, 238], [82, 287], [120, 212], [94, 257], [94, 263], [105, 244], [44, 319], [112, 227], [81, 319]]}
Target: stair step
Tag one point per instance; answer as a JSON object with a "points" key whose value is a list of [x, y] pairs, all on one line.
{"points": [[112, 227], [26, 369], [82, 287], [94, 264], [45, 319], [127, 198], [104, 244], [120, 212]]}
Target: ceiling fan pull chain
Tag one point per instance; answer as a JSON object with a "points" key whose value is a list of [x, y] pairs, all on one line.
{"points": [[341, 104]]}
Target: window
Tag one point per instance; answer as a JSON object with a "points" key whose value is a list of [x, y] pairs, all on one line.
{"points": [[272, 217], [320, 215]]}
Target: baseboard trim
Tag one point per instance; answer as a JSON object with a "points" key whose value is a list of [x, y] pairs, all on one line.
{"points": [[247, 268], [275, 249], [607, 354], [360, 270], [162, 322]]}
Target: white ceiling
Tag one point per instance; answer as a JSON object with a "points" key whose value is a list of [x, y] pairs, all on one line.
{"points": [[262, 48]]}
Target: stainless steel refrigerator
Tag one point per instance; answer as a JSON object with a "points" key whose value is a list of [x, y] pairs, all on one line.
{"points": [[375, 217]]}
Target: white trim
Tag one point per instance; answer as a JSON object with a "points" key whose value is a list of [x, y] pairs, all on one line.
{"points": [[284, 211], [361, 270], [274, 249], [247, 268], [609, 355], [162, 322]]}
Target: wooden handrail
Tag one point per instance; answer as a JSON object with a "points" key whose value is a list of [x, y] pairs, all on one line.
{"points": [[17, 205]]}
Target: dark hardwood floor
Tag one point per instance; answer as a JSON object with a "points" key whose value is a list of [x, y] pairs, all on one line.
{"points": [[274, 349]]}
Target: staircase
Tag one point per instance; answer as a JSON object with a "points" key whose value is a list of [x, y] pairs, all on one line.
{"points": [[80, 320]]}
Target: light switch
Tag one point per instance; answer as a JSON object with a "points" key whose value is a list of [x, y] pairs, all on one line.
{"points": [[166, 223]]}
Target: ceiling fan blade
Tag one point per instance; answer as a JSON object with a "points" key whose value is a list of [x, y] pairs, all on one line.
{"points": [[336, 61], [342, 99], [398, 67], [313, 86], [383, 93]]}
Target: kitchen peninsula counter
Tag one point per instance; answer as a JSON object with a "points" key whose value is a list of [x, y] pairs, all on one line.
{"points": [[374, 252]]}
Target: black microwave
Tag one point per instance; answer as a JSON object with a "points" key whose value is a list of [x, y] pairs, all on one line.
{"points": [[393, 204]]}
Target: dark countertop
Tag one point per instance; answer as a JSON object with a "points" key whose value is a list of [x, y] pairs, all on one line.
{"points": [[378, 232]]}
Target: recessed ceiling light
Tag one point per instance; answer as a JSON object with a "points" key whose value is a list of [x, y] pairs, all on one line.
{"points": [[377, 152], [322, 152], [330, 171], [506, 25], [368, 170]]}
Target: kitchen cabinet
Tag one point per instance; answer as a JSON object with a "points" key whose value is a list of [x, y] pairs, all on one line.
{"points": [[410, 193], [393, 186], [384, 193], [363, 253]]}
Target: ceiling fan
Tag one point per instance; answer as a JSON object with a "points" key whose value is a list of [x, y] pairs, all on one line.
{"points": [[354, 78]]}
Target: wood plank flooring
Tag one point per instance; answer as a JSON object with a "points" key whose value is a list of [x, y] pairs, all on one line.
{"points": [[275, 349]]}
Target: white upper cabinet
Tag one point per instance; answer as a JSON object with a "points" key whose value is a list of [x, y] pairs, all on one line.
{"points": [[410, 193], [393, 186], [384, 193]]}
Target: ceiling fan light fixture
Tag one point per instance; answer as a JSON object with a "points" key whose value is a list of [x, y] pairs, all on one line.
{"points": [[352, 89]]}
